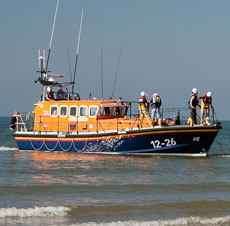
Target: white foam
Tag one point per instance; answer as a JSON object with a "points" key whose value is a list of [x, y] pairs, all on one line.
{"points": [[34, 212], [174, 222], [225, 156], [5, 148]]}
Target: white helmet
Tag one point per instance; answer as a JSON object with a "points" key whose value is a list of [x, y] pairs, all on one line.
{"points": [[143, 93], [50, 79], [209, 94], [194, 90], [155, 94], [48, 89]]}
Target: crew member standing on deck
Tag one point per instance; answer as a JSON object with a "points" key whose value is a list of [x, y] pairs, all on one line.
{"points": [[194, 101], [49, 94], [205, 106], [14, 120], [144, 109], [156, 109]]}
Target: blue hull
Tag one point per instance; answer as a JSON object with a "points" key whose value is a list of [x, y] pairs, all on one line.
{"points": [[174, 140]]}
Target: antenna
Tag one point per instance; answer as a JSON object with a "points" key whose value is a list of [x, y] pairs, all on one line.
{"points": [[78, 45], [51, 38], [115, 79], [70, 71], [102, 95], [44, 57], [41, 62]]}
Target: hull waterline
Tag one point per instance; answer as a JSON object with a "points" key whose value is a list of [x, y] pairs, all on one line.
{"points": [[181, 140]]}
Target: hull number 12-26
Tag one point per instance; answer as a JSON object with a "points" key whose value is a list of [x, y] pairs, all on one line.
{"points": [[166, 142]]}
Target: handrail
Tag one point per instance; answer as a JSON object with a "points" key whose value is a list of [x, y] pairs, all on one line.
{"points": [[42, 126], [100, 124], [135, 122], [25, 123], [20, 124]]}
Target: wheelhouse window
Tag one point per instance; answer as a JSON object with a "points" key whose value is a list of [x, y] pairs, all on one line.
{"points": [[73, 111], [63, 111], [53, 111], [93, 111], [105, 111], [83, 111], [125, 111], [117, 111]]}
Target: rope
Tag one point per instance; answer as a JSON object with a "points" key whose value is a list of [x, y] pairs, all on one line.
{"points": [[83, 149], [53, 149], [50, 149], [35, 147], [222, 148], [65, 150], [75, 148]]}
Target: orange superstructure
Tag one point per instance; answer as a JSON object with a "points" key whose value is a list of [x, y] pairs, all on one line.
{"points": [[80, 116]]}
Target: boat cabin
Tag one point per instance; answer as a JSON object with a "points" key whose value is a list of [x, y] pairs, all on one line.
{"points": [[78, 116]]}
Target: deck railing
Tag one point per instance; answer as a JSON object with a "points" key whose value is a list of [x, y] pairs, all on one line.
{"points": [[171, 116]]}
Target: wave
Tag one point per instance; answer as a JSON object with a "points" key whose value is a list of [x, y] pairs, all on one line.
{"points": [[225, 156], [34, 212], [194, 221], [15, 214], [5, 148]]}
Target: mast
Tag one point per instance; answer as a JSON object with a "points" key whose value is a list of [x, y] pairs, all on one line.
{"points": [[70, 71], [76, 60], [51, 37], [102, 91], [41, 60], [115, 79]]}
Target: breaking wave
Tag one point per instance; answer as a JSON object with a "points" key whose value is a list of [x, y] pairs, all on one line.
{"points": [[194, 221], [33, 212], [225, 156], [27, 215], [5, 148]]}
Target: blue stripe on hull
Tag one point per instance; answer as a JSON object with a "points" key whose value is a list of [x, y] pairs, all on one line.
{"points": [[189, 142]]}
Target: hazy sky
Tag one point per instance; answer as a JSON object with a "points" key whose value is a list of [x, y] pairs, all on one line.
{"points": [[168, 46]]}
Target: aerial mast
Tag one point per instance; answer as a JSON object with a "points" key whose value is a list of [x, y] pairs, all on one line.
{"points": [[43, 67], [115, 79], [41, 61], [102, 90], [51, 37], [76, 60]]}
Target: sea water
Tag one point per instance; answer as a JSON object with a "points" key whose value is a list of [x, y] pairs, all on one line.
{"points": [[81, 189]]}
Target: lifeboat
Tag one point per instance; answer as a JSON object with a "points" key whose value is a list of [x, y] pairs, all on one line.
{"points": [[62, 122], [106, 127]]}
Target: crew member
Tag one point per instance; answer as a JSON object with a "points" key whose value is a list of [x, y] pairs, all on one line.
{"points": [[49, 94], [193, 103], [14, 120], [144, 109], [205, 106], [156, 109], [61, 95]]}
